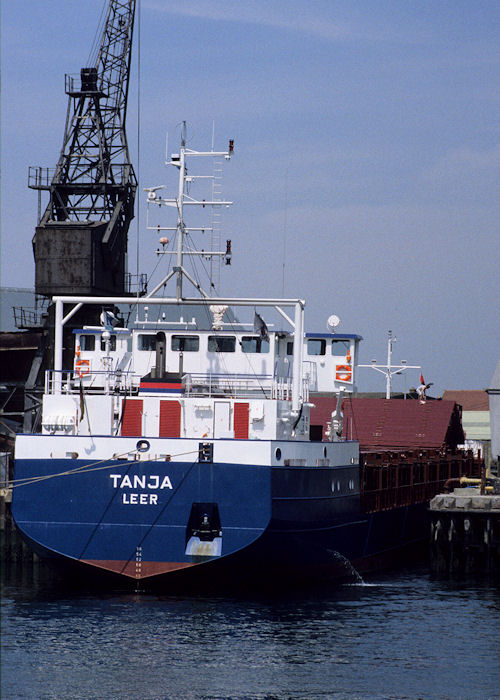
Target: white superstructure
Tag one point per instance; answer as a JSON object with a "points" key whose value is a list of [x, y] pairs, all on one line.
{"points": [[164, 379]]}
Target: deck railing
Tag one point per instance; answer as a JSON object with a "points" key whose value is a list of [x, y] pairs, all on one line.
{"points": [[250, 386], [231, 385], [93, 382]]}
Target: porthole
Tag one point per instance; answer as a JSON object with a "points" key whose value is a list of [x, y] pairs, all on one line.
{"points": [[325, 452], [338, 485], [351, 484], [277, 454], [142, 446]]}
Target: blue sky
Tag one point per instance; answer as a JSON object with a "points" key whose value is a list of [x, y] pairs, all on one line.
{"points": [[367, 155]]}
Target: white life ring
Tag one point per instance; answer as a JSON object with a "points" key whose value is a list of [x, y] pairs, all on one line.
{"points": [[343, 373], [82, 367]]}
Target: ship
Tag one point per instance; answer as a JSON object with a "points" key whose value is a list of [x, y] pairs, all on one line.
{"points": [[182, 452]]}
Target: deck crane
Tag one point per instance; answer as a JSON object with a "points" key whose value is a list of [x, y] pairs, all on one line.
{"points": [[80, 242]]}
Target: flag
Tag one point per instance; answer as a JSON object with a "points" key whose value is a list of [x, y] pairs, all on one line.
{"points": [[421, 378], [260, 327]]}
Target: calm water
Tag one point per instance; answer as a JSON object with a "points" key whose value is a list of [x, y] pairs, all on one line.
{"points": [[402, 635]]}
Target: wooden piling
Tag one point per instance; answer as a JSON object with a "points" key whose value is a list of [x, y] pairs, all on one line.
{"points": [[465, 532], [13, 549]]}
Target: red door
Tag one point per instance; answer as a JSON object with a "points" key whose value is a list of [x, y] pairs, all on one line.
{"points": [[132, 417], [170, 419], [241, 420]]}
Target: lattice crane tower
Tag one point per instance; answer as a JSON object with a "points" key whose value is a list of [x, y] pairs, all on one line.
{"points": [[80, 243]]}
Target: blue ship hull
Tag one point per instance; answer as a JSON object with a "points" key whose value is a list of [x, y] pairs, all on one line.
{"points": [[161, 522]]}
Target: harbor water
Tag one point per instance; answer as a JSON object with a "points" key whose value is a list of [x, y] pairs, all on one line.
{"points": [[398, 635]]}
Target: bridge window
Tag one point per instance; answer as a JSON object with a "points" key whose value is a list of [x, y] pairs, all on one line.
{"points": [[186, 343], [316, 346], [146, 342], [254, 344], [87, 343], [340, 348], [221, 343]]}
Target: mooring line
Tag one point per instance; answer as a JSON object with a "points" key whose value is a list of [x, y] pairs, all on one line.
{"points": [[93, 466]]}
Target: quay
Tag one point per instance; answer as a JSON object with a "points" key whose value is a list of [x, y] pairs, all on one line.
{"points": [[465, 528], [13, 549]]}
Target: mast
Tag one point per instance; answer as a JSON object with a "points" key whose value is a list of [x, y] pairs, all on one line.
{"points": [[180, 209], [389, 369], [183, 199]]}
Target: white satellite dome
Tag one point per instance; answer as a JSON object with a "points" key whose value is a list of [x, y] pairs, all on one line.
{"points": [[332, 323]]}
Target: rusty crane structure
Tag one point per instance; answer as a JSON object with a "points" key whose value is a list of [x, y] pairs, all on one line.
{"points": [[80, 242]]}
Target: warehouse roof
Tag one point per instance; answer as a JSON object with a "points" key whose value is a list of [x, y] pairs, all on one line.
{"points": [[474, 400]]}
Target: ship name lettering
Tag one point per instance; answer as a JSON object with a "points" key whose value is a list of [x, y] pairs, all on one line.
{"points": [[140, 482]]}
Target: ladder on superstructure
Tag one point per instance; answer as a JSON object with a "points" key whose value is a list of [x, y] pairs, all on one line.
{"points": [[216, 225]]}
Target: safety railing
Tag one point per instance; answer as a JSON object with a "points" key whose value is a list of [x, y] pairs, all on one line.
{"points": [[92, 382], [28, 318], [230, 385], [40, 178], [193, 384]]}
